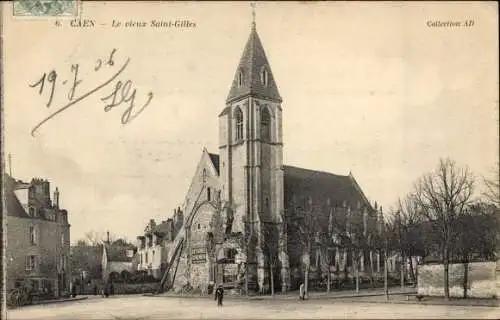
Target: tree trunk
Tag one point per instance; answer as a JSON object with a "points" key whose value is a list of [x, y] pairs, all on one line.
{"points": [[246, 276], [466, 278], [272, 279], [328, 278], [402, 266], [306, 282], [386, 285], [357, 275], [412, 272], [446, 275]]}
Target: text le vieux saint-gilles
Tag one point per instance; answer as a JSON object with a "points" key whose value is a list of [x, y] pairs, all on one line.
{"points": [[90, 23]]}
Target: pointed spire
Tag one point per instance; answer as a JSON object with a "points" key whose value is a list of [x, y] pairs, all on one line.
{"points": [[253, 75]]}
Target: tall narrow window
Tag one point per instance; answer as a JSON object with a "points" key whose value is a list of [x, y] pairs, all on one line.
{"points": [[264, 76], [238, 118], [240, 78], [204, 175], [30, 263], [209, 194], [32, 235], [265, 124]]}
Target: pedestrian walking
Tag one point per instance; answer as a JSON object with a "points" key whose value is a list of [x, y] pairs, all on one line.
{"points": [[302, 292], [219, 295]]}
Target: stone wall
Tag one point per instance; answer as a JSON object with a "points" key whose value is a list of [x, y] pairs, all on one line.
{"points": [[481, 284], [134, 288]]}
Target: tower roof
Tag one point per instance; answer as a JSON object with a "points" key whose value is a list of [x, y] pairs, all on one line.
{"points": [[249, 77]]}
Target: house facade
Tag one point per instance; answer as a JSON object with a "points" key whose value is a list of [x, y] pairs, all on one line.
{"points": [[38, 238], [155, 244], [116, 258]]}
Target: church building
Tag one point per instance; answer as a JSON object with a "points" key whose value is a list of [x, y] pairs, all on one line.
{"points": [[240, 208]]}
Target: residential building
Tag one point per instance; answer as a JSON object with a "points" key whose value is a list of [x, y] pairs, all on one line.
{"points": [[154, 245], [117, 256], [38, 237]]}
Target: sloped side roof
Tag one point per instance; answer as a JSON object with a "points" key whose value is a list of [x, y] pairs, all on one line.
{"points": [[215, 160], [14, 208], [321, 186], [118, 253], [252, 62], [88, 258], [164, 227]]}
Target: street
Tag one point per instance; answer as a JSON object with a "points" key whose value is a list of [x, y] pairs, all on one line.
{"points": [[140, 307]]}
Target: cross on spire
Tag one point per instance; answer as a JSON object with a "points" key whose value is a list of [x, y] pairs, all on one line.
{"points": [[253, 14]]}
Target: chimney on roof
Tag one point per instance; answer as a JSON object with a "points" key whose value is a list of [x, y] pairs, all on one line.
{"points": [[56, 198]]}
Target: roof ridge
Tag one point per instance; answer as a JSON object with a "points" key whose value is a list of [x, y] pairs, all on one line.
{"points": [[317, 171]]}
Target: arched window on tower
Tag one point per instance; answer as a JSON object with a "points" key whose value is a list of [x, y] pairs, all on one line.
{"points": [[238, 119], [264, 76], [265, 124], [240, 78]]}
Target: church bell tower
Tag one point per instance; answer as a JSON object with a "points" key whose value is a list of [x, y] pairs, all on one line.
{"points": [[251, 152]]}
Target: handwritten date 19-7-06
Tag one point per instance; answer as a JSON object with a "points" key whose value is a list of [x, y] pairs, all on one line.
{"points": [[122, 91]]}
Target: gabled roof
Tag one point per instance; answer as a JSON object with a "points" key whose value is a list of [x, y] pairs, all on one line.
{"points": [[14, 208], [215, 161], [252, 62], [321, 186]]}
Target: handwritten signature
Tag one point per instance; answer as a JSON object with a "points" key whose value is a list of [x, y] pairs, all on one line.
{"points": [[122, 92]]}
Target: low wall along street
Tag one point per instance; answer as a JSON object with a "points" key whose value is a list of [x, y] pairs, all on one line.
{"points": [[481, 280]]}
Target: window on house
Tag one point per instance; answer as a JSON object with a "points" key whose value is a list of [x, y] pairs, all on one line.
{"points": [[238, 117], [153, 257], [31, 211], [146, 257], [199, 226], [264, 76], [231, 255], [265, 124], [30, 263], [208, 194], [141, 259], [267, 203], [32, 235]]}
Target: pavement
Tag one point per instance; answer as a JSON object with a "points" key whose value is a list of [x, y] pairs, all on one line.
{"points": [[145, 308], [77, 298], [293, 295]]}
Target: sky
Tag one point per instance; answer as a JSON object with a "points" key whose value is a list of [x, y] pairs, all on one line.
{"points": [[367, 87]]}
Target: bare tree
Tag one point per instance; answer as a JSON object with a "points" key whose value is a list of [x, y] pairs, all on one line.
{"points": [[410, 224], [442, 196], [270, 235], [492, 193], [304, 226], [476, 236], [94, 238]]}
